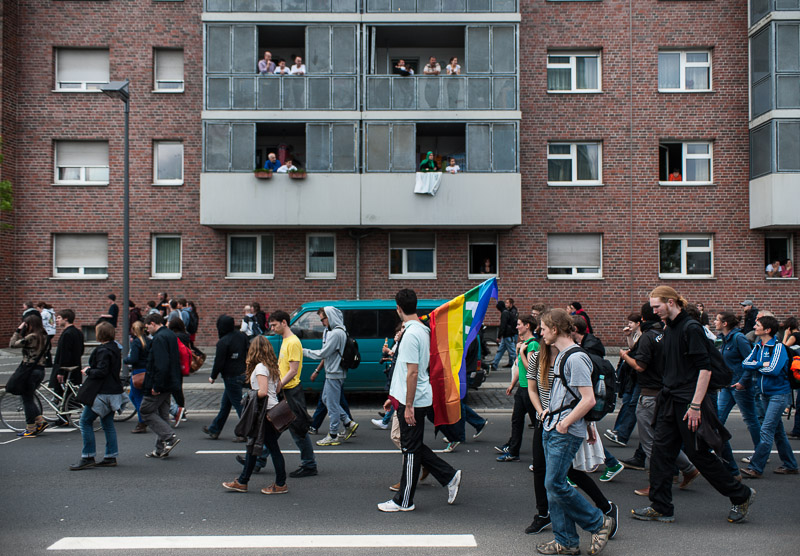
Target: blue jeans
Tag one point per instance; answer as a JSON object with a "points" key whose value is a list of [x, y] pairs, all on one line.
{"points": [[567, 506], [772, 430], [135, 394], [506, 344], [610, 461], [760, 401], [322, 411], [626, 419], [331, 396], [387, 419], [231, 398], [728, 397], [87, 433], [796, 429]]}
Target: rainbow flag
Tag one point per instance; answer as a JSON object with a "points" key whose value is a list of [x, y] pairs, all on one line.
{"points": [[454, 326]]}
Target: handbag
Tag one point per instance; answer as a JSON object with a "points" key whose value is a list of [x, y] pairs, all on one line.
{"points": [[280, 416], [198, 358], [88, 391], [137, 380], [18, 381]]}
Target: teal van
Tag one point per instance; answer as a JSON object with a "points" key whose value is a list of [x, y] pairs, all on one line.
{"points": [[370, 323]]}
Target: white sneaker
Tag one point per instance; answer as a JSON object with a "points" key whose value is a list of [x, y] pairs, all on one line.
{"points": [[330, 440], [380, 424], [452, 487], [451, 446], [390, 506], [349, 431]]}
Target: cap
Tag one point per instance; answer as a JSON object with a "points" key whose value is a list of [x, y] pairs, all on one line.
{"points": [[746, 303]]}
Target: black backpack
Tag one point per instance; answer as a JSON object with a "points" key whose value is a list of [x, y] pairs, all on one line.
{"points": [[601, 367], [721, 375], [351, 357], [194, 321]]}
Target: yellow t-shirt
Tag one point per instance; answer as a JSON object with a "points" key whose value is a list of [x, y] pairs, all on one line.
{"points": [[291, 350]]}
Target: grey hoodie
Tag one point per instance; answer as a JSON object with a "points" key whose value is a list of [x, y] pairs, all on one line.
{"points": [[333, 341]]}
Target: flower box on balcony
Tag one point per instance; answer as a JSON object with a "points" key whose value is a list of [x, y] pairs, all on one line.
{"points": [[297, 174], [262, 174]]}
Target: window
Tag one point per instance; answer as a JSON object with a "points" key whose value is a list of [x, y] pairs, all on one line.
{"points": [[778, 247], [482, 255], [167, 256], [81, 69], [412, 255], [81, 162], [331, 147], [788, 146], [574, 256], [574, 163], [320, 256], [229, 147], [684, 70], [168, 68], [251, 256], [80, 255], [787, 64], [573, 72], [491, 147], [391, 147], [686, 256], [168, 163], [686, 163], [308, 326]]}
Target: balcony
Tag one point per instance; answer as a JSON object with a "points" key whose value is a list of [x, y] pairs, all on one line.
{"points": [[235, 92], [440, 6], [446, 92], [768, 201], [284, 6], [355, 6], [239, 200]]}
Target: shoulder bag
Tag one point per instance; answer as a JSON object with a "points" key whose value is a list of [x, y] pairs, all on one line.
{"points": [[280, 416]]}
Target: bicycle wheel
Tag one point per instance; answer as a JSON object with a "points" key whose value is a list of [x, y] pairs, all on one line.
{"points": [[129, 411], [71, 409], [12, 413], [49, 410]]}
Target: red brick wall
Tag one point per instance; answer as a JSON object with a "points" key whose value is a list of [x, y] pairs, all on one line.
{"points": [[630, 210]]}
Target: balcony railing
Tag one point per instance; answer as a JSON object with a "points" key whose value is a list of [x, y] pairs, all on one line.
{"points": [[441, 93], [760, 8], [230, 92], [290, 6], [440, 6]]}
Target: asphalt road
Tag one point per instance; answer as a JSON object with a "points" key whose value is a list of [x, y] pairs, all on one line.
{"points": [[42, 502]]}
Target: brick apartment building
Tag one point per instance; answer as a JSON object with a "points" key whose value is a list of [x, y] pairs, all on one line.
{"points": [[567, 119]]}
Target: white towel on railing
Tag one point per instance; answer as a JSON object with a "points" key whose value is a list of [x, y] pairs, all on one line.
{"points": [[427, 183]]}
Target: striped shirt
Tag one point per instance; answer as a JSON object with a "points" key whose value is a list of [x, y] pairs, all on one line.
{"points": [[533, 374]]}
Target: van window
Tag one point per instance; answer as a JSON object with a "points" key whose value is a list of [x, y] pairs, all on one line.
{"points": [[361, 323], [308, 326]]}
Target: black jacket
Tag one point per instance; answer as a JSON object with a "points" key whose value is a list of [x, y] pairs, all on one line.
{"points": [[105, 363], [163, 363], [750, 320], [69, 350], [592, 344], [508, 324], [231, 349]]}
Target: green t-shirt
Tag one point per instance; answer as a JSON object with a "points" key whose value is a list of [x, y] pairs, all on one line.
{"points": [[522, 362]]}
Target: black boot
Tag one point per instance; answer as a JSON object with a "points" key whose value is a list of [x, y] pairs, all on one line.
{"points": [[84, 463]]}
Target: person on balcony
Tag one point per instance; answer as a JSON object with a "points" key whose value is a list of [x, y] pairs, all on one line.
{"points": [[299, 68], [272, 163], [281, 68], [453, 68], [428, 164], [432, 67], [453, 168], [266, 66], [403, 69], [287, 166]]}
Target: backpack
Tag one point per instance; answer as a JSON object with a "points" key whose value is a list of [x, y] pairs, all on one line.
{"points": [[721, 375], [604, 384], [194, 320], [186, 358], [351, 357]]}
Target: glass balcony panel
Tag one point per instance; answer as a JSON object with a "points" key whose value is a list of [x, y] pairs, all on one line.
{"points": [[269, 93], [344, 93], [243, 5], [478, 148], [344, 48], [319, 93], [504, 148], [294, 93], [477, 49], [404, 148], [218, 93], [378, 147], [478, 97], [404, 6], [344, 6], [244, 93], [429, 90], [218, 5], [788, 91], [319, 6], [217, 147], [243, 147], [378, 95], [318, 44], [218, 53], [504, 93], [454, 6], [318, 147], [244, 48], [503, 51], [269, 5], [478, 5], [428, 6], [344, 148], [403, 93], [293, 6], [379, 6], [455, 93], [504, 6], [788, 54], [761, 98]]}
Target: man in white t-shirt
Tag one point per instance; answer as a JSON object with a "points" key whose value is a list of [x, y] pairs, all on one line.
{"points": [[411, 395]]}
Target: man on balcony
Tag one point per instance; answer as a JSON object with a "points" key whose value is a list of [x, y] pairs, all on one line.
{"points": [[432, 67]]}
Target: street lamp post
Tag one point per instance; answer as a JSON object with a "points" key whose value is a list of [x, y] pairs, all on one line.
{"points": [[119, 90]]}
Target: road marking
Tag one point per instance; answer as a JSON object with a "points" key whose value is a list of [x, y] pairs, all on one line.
{"points": [[751, 451], [48, 431], [317, 451], [265, 541], [10, 441]]}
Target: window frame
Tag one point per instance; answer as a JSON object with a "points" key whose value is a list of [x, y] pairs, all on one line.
{"points": [[573, 157], [574, 274], [684, 65], [684, 239], [259, 256], [789, 238], [156, 81], [470, 243], [320, 275], [405, 275], [686, 156], [81, 274], [83, 169], [83, 85], [157, 181], [573, 67], [153, 256]]}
